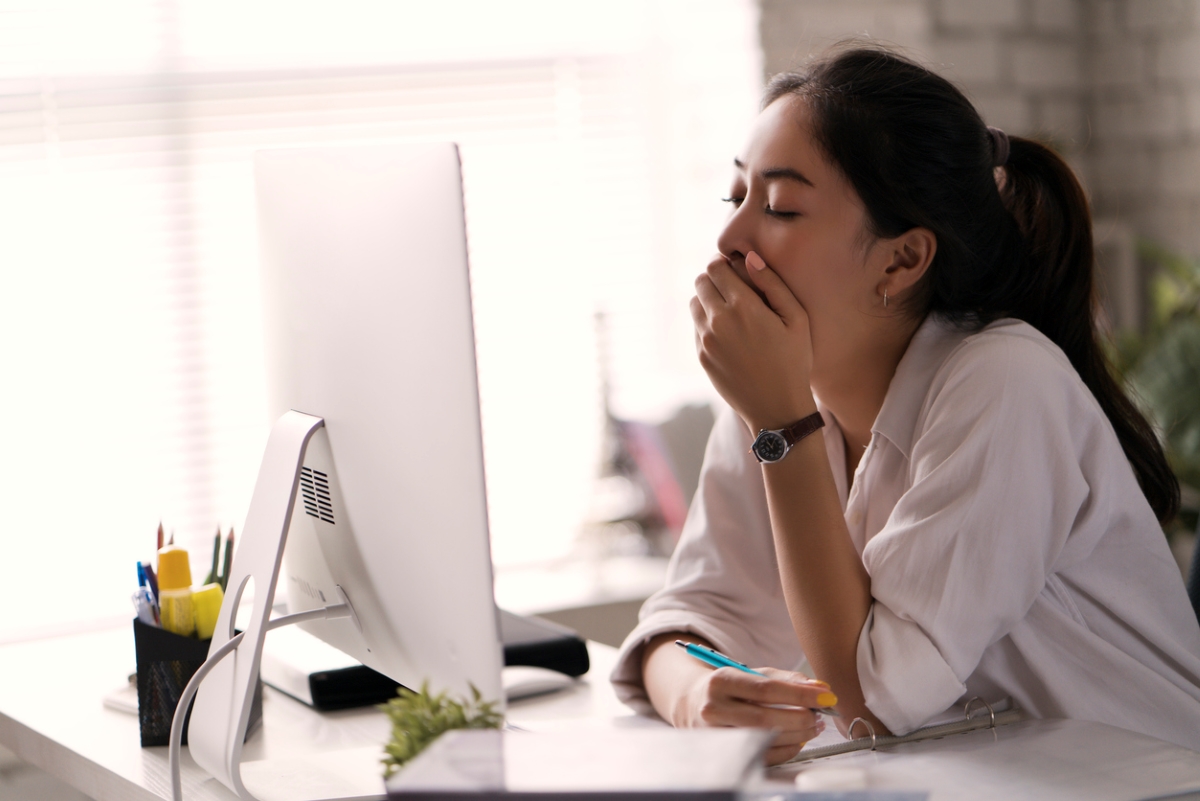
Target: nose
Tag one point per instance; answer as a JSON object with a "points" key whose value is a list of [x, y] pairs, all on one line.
{"points": [[736, 238]]}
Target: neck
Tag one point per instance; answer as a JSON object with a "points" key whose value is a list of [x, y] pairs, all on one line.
{"points": [[851, 376]]}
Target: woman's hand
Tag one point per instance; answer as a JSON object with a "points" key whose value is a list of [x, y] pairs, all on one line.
{"points": [[779, 700], [688, 694], [753, 341]]}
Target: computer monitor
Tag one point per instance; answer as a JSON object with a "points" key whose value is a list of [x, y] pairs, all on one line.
{"points": [[369, 328]]}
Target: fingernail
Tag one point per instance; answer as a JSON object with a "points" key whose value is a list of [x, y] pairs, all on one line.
{"points": [[754, 261], [819, 682], [827, 699]]}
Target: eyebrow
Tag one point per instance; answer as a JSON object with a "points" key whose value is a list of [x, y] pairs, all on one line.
{"points": [[773, 173]]}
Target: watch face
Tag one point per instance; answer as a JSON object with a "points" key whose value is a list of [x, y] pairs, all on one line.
{"points": [[770, 446]]}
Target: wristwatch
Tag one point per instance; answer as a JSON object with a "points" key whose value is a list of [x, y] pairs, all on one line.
{"points": [[771, 445]]}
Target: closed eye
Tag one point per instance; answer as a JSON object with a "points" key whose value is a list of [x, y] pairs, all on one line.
{"points": [[785, 215]]}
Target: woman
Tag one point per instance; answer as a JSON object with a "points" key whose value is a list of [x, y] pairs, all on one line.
{"points": [[979, 514]]}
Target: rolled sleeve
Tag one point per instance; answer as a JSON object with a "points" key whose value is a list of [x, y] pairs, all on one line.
{"points": [[627, 675], [905, 680], [995, 488]]}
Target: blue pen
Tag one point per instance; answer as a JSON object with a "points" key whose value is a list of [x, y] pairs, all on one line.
{"points": [[143, 600], [145, 609], [151, 589], [151, 580], [719, 660]]}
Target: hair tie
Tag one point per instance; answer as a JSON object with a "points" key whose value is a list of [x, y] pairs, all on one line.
{"points": [[999, 146]]}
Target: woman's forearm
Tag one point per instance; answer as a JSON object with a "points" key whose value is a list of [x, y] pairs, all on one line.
{"points": [[825, 586]]}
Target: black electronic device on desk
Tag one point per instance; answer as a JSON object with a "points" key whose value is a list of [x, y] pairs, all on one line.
{"points": [[537, 642], [323, 677]]}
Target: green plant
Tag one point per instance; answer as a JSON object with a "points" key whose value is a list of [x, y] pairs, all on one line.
{"points": [[418, 718], [1161, 366]]}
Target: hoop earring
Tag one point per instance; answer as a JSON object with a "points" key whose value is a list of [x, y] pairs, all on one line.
{"points": [[885, 298]]}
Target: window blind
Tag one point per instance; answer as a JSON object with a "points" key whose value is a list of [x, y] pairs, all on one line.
{"points": [[127, 234]]}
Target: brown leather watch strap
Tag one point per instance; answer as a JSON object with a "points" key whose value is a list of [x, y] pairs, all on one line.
{"points": [[802, 428], [773, 444]]}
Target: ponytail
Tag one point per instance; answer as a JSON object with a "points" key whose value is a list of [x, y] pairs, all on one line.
{"points": [[918, 155], [1051, 212]]}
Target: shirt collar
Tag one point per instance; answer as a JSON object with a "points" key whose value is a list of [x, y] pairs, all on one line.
{"points": [[928, 349]]}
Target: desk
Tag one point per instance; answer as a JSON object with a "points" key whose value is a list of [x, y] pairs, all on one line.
{"points": [[51, 715]]}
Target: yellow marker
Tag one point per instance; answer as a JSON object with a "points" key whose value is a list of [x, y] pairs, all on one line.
{"points": [[175, 591], [206, 603]]}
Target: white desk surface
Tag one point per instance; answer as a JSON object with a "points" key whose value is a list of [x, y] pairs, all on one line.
{"points": [[1030, 759], [51, 715]]}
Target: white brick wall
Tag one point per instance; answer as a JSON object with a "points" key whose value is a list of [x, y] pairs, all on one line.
{"points": [[1137, 119], [1133, 170], [1178, 57], [1118, 62], [1179, 172], [1106, 17], [1056, 16], [1006, 110], [1060, 122], [969, 59], [1158, 15], [1191, 113], [1143, 94], [1046, 65], [975, 14], [792, 31]]}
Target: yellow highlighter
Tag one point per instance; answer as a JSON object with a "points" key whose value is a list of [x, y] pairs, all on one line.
{"points": [[175, 591], [206, 605]]}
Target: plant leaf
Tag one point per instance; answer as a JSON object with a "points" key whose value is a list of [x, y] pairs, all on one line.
{"points": [[419, 718]]}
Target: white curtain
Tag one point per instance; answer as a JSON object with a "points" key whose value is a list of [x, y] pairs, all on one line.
{"points": [[596, 141]]}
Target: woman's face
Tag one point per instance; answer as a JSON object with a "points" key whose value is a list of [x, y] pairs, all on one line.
{"points": [[803, 217]]}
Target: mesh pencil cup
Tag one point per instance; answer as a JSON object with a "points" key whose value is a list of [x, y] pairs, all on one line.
{"points": [[166, 662]]}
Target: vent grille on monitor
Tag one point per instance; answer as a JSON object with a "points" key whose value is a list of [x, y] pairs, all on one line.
{"points": [[314, 486]]}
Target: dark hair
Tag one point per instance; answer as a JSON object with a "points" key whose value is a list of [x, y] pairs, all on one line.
{"points": [[919, 155]]}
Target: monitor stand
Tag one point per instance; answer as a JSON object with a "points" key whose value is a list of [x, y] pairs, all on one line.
{"points": [[222, 710]]}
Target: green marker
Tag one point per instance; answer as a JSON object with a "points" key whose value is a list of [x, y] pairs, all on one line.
{"points": [[212, 573], [224, 578]]}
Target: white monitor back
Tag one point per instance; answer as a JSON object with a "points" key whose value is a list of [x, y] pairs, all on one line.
{"points": [[369, 326]]}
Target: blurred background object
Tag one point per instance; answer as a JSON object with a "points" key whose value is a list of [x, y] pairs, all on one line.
{"points": [[1160, 362], [648, 474]]}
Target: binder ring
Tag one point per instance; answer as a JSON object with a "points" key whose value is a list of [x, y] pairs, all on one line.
{"points": [[967, 710], [870, 729]]}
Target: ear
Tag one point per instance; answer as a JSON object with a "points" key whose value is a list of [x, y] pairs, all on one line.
{"points": [[905, 259]]}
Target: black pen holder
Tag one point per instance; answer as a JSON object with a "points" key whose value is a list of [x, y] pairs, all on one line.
{"points": [[166, 662]]}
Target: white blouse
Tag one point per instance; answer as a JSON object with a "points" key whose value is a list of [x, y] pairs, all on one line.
{"points": [[1011, 552]]}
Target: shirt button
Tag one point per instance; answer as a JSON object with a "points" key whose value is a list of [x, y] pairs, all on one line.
{"points": [[855, 518]]}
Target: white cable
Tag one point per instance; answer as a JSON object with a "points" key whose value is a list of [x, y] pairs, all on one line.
{"points": [[325, 613]]}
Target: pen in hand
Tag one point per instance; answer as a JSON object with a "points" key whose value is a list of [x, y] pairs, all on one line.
{"points": [[718, 659]]}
